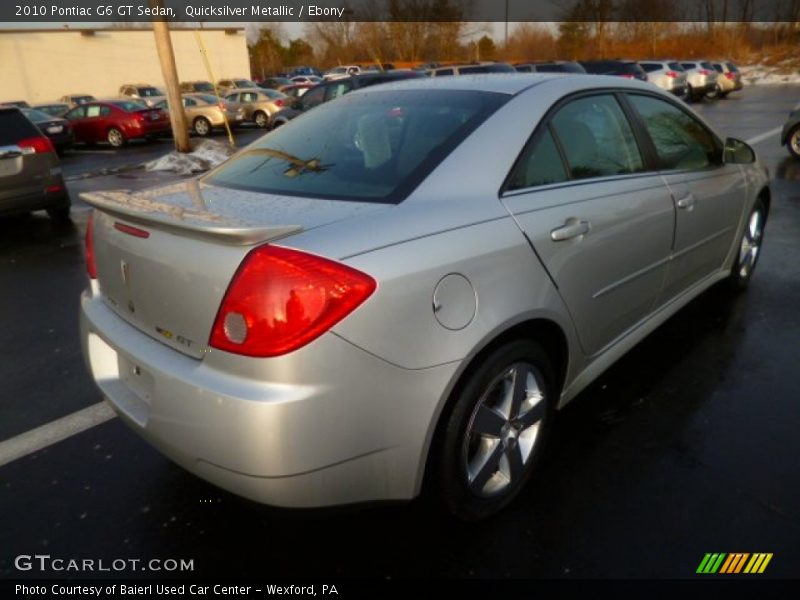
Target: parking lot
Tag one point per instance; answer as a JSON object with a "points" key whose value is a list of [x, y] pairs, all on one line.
{"points": [[686, 446]]}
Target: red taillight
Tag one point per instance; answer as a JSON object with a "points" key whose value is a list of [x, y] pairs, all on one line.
{"points": [[672, 74], [627, 76], [729, 75], [280, 300], [91, 267], [54, 189], [39, 144], [279, 102]]}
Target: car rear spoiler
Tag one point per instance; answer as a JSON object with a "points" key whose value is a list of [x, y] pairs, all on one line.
{"points": [[190, 221]]}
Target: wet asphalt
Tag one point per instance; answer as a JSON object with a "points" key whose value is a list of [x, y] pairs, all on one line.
{"points": [[688, 445]]}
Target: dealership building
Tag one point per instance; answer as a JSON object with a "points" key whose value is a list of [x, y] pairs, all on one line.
{"points": [[41, 65]]}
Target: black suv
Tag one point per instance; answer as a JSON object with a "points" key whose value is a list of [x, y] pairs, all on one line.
{"points": [[30, 175], [621, 68], [330, 90]]}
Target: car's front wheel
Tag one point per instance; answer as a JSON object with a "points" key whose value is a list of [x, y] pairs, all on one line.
{"points": [[115, 137], [495, 432], [749, 247], [793, 141]]}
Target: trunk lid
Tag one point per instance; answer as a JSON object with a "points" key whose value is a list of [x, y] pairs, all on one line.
{"points": [[165, 256]]}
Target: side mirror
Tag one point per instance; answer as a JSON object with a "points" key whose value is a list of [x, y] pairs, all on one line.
{"points": [[738, 152]]}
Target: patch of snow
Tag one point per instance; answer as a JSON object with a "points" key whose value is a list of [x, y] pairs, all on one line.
{"points": [[769, 75], [206, 154]]}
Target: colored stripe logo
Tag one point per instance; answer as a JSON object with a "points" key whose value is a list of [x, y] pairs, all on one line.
{"points": [[734, 564]]}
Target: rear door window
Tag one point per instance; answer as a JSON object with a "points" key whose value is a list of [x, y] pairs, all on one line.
{"points": [[680, 140], [340, 88], [313, 98], [596, 138]]}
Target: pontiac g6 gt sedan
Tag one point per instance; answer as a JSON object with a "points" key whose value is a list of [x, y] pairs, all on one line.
{"points": [[399, 288]]}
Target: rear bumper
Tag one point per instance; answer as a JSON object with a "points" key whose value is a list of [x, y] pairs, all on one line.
{"points": [[28, 201], [328, 424]]}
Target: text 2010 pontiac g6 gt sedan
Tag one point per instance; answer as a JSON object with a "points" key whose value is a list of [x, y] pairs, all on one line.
{"points": [[401, 286]]}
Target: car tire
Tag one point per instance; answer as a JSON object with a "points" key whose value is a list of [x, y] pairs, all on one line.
{"points": [[261, 119], [723, 95], [494, 434], [714, 93], [689, 93], [793, 141], [201, 126], [749, 247], [60, 214], [115, 137]]}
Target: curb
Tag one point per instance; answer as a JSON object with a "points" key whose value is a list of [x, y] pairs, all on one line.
{"points": [[104, 172]]}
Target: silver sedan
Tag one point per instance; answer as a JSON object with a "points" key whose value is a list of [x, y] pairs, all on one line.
{"points": [[401, 287]]}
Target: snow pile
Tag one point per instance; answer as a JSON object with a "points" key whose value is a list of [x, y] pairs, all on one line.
{"points": [[770, 75], [206, 154]]}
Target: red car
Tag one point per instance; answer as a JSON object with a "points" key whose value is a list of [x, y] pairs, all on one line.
{"points": [[116, 122]]}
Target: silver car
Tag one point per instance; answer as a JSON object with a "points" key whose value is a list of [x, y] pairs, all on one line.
{"points": [[701, 79], [668, 75], [399, 288]]}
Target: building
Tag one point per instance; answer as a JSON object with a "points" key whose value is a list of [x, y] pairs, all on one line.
{"points": [[41, 65]]}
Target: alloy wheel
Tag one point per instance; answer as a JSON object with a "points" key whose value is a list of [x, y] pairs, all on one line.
{"points": [[115, 138], [502, 430], [751, 244]]}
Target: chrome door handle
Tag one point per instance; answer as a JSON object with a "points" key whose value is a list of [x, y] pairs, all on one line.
{"points": [[687, 202], [572, 228]]}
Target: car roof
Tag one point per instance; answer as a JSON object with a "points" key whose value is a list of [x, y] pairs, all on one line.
{"points": [[509, 83]]}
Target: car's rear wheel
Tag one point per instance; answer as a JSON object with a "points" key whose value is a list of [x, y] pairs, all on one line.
{"points": [[201, 126], [793, 141], [689, 93], [115, 137], [749, 247], [495, 432], [714, 92], [261, 119]]}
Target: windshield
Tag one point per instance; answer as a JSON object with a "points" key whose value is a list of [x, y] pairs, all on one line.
{"points": [[244, 83], [368, 147], [203, 86]]}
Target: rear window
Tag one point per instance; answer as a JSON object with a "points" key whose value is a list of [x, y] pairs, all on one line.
{"points": [[129, 105], [676, 67], [203, 86], [707, 65], [732, 67], [524, 68], [499, 68], [149, 92], [207, 98], [630, 68], [244, 83], [15, 127], [364, 147], [37, 116], [561, 68], [650, 67]]}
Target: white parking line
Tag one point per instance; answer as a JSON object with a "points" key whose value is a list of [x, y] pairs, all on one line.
{"points": [[53, 432], [764, 136]]}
